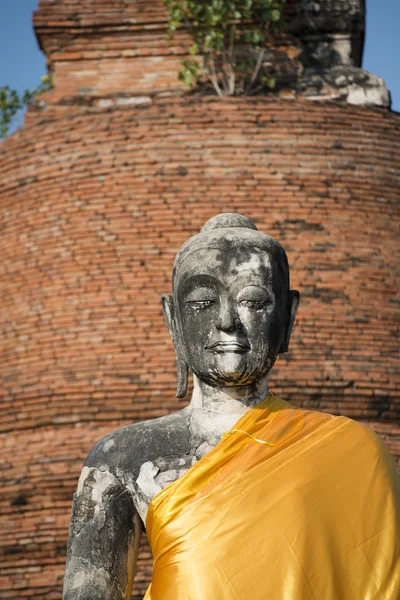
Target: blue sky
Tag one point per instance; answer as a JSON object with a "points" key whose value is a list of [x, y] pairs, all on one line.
{"points": [[23, 63]]}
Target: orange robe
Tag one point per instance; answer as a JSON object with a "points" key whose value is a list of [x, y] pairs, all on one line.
{"points": [[313, 513]]}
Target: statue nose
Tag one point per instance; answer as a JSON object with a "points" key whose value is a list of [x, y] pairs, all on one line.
{"points": [[227, 318]]}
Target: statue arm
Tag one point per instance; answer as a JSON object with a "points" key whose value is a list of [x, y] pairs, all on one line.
{"points": [[104, 539]]}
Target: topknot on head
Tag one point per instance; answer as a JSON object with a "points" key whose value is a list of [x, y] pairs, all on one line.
{"points": [[228, 220]]}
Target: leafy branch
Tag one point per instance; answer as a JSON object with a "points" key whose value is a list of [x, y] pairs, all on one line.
{"points": [[11, 102], [229, 42]]}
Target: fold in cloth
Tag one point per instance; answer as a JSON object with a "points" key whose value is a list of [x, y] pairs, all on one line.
{"points": [[290, 505]]}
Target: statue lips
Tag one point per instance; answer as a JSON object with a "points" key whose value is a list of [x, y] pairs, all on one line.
{"points": [[229, 345]]}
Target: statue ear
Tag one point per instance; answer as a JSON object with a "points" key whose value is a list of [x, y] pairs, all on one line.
{"points": [[168, 310], [181, 366], [294, 299]]}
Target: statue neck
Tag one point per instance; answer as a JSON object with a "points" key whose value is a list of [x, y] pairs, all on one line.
{"points": [[227, 400]]}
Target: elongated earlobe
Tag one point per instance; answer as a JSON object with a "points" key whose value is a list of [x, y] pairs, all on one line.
{"points": [[294, 304], [181, 366], [182, 376]]}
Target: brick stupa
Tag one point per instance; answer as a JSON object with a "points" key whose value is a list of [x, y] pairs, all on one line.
{"points": [[112, 171]]}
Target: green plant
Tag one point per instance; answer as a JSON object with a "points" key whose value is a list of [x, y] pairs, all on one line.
{"points": [[11, 102], [229, 42]]}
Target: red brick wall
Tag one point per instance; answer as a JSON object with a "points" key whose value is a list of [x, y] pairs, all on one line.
{"points": [[102, 48], [95, 203], [108, 48], [121, 48]]}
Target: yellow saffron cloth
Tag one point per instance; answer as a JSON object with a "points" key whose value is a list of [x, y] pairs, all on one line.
{"points": [[312, 514]]}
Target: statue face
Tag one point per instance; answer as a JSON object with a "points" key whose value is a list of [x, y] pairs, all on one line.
{"points": [[231, 310]]}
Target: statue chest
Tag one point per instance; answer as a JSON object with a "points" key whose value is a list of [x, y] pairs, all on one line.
{"points": [[205, 431]]}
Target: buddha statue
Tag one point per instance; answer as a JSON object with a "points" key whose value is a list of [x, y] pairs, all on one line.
{"points": [[241, 494]]}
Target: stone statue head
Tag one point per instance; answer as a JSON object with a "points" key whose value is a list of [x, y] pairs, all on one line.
{"points": [[231, 311]]}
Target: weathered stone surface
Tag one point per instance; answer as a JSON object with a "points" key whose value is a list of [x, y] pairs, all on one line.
{"points": [[230, 314], [330, 16], [356, 86]]}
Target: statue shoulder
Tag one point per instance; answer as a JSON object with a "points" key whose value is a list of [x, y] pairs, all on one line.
{"points": [[366, 443], [126, 449], [362, 432]]}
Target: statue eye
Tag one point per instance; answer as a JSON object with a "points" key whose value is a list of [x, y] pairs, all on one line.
{"points": [[199, 303], [202, 297], [254, 297], [252, 304]]}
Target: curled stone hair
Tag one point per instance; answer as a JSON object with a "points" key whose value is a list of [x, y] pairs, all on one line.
{"points": [[217, 230], [228, 220]]}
